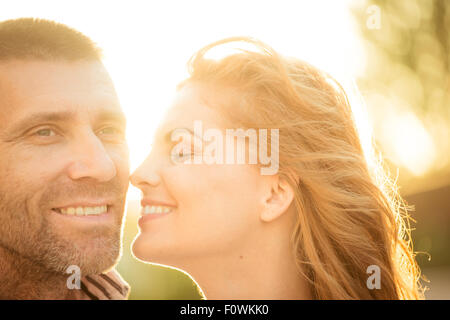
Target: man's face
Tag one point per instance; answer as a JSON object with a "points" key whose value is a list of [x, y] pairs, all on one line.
{"points": [[63, 164]]}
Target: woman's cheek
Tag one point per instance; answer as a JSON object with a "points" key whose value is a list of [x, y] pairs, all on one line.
{"points": [[212, 191]]}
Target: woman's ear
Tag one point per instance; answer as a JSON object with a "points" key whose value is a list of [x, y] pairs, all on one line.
{"points": [[277, 200]]}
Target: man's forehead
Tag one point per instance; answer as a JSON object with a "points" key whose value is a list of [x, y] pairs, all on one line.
{"points": [[26, 86]]}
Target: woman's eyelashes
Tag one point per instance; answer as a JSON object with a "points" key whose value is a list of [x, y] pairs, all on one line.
{"points": [[182, 153], [183, 156]]}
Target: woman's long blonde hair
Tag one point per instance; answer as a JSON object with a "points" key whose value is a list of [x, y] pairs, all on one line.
{"points": [[349, 216]]}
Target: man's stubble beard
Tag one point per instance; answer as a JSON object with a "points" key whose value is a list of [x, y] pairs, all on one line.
{"points": [[40, 250], [95, 253]]}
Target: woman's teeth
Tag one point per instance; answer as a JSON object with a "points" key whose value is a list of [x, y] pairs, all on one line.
{"points": [[156, 209], [83, 211]]}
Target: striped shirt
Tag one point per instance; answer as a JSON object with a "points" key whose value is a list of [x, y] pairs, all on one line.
{"points": [[105, 286]]}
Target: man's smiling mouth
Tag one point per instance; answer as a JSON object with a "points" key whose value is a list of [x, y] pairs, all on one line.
{"points": [[82, 210]]}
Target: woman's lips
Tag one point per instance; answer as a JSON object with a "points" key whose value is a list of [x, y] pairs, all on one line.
{"points": [[151, 212]]}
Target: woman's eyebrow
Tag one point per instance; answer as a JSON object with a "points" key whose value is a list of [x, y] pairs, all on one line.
{"points": [[168, 134]]}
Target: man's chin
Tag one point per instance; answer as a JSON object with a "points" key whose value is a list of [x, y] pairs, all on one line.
{"points": [[98, 258], [94, 247], [93, 255]]}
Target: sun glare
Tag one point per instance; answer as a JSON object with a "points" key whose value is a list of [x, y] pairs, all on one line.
{"points": [[412, 144]]}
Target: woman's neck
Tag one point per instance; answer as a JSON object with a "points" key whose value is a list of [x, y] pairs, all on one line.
{"points": [[265, 271]]}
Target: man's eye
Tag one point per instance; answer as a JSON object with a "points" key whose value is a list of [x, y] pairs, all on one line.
{"points": [[112, 134], [45, 133], [110, 130]]}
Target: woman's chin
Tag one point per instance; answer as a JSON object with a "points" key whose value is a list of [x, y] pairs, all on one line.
{"points": [[150, 251], [141, 250]]}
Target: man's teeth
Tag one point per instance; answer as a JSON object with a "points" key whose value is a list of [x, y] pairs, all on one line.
{"points": [[84, 211], [156, 209]]}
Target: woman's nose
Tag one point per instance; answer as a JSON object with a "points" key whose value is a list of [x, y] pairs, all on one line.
{"points": [[145, 175]]}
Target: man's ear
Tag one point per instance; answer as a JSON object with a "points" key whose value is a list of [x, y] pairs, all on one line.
{"points": [[277, 200]]}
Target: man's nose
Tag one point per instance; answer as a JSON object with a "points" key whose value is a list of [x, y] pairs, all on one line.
{"points": [[91, 160]]}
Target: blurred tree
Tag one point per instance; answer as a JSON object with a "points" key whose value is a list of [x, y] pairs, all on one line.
{"points": [[409, 54], [406, 84]]}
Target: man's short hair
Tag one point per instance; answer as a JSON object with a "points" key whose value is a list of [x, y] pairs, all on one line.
{"points": [[40, 39]]}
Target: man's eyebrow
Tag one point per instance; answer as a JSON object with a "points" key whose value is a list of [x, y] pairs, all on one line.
{"points": [[63, 116], [115, 116], [42, 117]]}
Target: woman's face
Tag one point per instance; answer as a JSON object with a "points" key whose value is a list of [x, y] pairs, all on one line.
{"points": [[214, 208]]}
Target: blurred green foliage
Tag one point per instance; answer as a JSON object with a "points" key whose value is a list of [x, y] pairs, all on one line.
{"points": [[407, 71], [408, 56]]}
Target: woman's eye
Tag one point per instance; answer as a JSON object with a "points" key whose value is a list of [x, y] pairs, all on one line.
{"points": [[182, 154]]}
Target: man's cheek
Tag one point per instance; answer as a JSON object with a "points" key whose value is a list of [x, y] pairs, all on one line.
{"points": [[34, 164], [119, 154], [122, 163]]}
